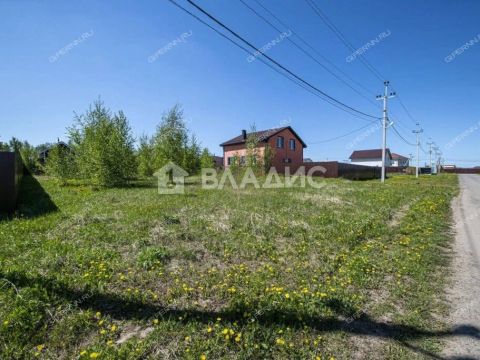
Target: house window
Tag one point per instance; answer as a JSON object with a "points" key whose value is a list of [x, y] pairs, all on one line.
{"points": [[280, 141], [292, 144], [231, 160], [242, 160]]}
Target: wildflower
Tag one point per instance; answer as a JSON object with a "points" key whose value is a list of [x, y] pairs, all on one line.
{"points": [[40, 347], [6, 322], [94, 355], [225, 331], [209, 330], [203, 357], [100, 322], [83, 352], [280, 342], [155, 321], [98, 314], [110, 342], [113, 328]]}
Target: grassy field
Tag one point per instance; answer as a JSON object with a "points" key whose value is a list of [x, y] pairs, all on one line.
{"points": [[351, 270]]}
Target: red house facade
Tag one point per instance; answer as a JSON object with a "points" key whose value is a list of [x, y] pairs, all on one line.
{"points": [[285, 143]]}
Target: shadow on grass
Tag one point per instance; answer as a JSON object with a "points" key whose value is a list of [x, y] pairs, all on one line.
{"points": [[33, 200], [125, 309]]}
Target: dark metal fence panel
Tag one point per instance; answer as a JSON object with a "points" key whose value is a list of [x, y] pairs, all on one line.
{"points": [[462, 170], [358, 172], [10, 176]]}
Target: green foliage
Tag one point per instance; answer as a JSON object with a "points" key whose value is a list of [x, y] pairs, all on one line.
{"points": [[61, 163], [28, 153], [171, 143], [253, 158], [145, 157], [192, 156], [206, 159], [152, 256], [103, 147], [268, 156], [4, 146], [171, 139]]}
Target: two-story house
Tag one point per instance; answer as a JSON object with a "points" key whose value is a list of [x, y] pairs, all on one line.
{"points": [[287, 148]]}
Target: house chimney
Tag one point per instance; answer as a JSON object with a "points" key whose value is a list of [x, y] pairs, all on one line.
{"points": [[244, 134]]}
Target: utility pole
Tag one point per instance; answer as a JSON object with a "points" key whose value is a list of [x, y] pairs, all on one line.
{"points": [[385, 123], [430, 152], [418, 132], [437, 161]]}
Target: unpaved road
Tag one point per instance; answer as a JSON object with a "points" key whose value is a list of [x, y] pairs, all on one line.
{"points": [[464, 293]]}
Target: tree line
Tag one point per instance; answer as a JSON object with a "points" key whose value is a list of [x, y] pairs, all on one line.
{"points": [[101, 149]]}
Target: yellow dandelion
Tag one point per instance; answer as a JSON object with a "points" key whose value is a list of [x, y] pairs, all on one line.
{"points": [[94, 355], [203, 357]]}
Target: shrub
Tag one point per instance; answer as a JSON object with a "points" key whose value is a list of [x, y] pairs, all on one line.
{"points": [[103, 147], [60, 163]]}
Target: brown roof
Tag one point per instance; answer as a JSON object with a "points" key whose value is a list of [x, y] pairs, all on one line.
{"points": [[262, 136], [369, 154], [396, 156]]}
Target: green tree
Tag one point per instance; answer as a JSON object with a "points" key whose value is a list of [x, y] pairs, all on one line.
{"points": [[61, 163], [192, 156], [103, 146], [170, 139], [268, 155], [206, 159], [145, 156], [171, 143]]}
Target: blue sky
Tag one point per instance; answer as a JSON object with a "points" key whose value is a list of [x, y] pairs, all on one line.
{"points": [[221, 91]]}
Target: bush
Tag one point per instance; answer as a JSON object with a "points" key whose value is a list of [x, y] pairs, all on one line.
{"points": [[60, 163], [103, 147]]}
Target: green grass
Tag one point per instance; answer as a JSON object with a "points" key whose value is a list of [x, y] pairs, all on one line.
{"points": [[353, 268]]}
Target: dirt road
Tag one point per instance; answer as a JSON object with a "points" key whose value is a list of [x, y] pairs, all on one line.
{"points": [[464, 294]]}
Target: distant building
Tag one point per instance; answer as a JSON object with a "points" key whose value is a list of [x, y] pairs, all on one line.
{"points": [[217, 161], [287, 147], [399, 160], [43, 155], [371, 157]]}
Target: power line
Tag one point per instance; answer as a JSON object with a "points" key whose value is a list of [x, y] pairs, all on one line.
{"points": [[349, 46], [306, 43], [342, 38], [261, 60], [401, 137], [340, 103], [342, 136], [305, 51]]}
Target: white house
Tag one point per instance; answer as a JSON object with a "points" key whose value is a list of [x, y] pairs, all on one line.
{"points": [[400, 160], [371, 157]]}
